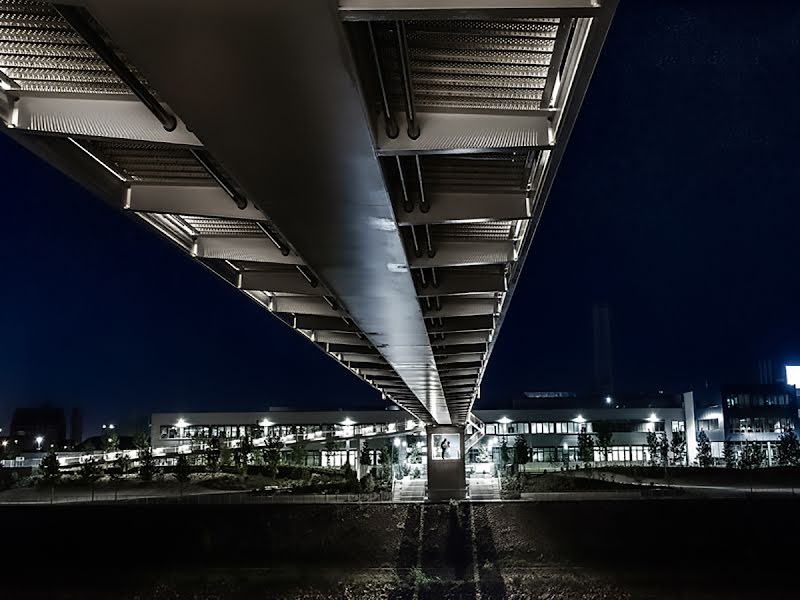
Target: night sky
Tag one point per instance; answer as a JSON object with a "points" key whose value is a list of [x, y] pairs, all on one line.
{"points": [[676, 203]]}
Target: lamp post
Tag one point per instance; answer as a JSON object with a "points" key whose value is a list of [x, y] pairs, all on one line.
{"points": [[39, 440]]}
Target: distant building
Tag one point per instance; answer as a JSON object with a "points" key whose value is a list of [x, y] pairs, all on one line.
{"points": [[551, 423], [735, 414], [28, 424]]}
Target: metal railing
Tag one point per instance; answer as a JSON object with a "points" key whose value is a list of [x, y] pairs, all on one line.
{"points": [[122, 497]]}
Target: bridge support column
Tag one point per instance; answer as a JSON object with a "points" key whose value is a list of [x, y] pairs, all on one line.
{"points": [[446, 472]]}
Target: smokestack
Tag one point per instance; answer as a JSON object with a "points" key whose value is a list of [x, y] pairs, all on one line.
{"points": [[603, 363]]}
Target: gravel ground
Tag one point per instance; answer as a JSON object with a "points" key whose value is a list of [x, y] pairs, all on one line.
{"points": [[646, 549]]}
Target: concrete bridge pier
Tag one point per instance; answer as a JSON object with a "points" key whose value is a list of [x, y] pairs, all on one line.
{"points": [[446, 470]]}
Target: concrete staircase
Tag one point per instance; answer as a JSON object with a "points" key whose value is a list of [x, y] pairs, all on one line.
{"points": [[484, 488], [409, 490]]}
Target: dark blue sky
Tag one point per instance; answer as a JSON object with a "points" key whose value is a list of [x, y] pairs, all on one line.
{"points": [[676, 203]]}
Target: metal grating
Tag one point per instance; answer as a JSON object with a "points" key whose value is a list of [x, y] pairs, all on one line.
{"points": [[223, 227], [493, 231], [39, 51], [152, 162], [471, 65], [476, 172]]}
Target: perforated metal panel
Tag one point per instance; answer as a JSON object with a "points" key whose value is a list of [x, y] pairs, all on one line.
{"points": [[499, 171], [152, 162], [224, 227], [497, 230], [39, 51], [471, 65]]}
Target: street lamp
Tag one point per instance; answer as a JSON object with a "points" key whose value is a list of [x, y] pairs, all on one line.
{"points": [[608, 399], [39, 440]]}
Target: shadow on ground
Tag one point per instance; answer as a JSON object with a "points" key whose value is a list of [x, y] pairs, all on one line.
{"points": [[652, 549]]}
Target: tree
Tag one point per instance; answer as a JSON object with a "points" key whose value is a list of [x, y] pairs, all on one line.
{"points": [[331, 446], [212, 454], [272, 455], [88, 447], [90, 471], [504, 456], [121, 467], [111, 442], [123, 464], [663, 447], [241, 455], [225, 455], [483, 454], [147, 464], [183, 471], [585, 446], [752, 455], [384, 459], [729, 455], [9, 450], [788, 449], [141, 440], [414, 456], [299, 453], [704, 457], [678, 447], [653, 448], [605, 439], [521, 451], [365, 458], [50, 470]]}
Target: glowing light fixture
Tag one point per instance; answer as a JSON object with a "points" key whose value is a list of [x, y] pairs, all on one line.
{"points": [[652, 418], [348, 422], [608, 399], [793, 375], [504, 420], [265, 423], [181, 423], [396, 442], [579, 419]]}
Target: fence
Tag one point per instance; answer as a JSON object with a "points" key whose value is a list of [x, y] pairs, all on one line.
{"points": [[109, 497]]}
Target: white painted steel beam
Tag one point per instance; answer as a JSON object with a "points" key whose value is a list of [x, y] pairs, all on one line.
{"points": [[368, 10], [467, 253], [193, 200], [462, 307], [254, 249], [302, 305], [453, 324], [468, 207], [457, 133], [469, 337], [333, 337], [452, 282], [94, 116], [285, 282]]}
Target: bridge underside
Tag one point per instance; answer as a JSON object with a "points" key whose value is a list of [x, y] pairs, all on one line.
{"points": [[371, 172]]}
